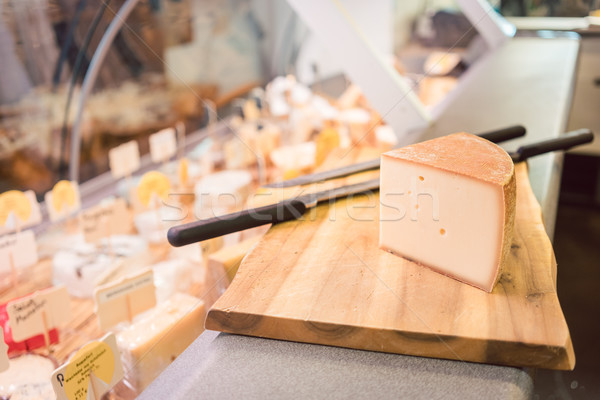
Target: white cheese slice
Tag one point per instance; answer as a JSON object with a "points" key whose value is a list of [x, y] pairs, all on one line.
{"points": [[449, 204]]}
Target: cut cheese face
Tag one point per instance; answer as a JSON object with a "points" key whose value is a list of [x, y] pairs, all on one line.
{"points": [[158, 336], [449, 204]]}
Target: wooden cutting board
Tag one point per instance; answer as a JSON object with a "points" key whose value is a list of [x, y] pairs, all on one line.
{"points": [[324, 280]]}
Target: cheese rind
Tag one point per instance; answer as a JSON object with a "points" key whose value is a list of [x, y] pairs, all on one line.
{"points": [[449, 204]]}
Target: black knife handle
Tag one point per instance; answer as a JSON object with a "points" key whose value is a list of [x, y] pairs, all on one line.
{"points": [[504, 134], [198, 231], [563, 142]]}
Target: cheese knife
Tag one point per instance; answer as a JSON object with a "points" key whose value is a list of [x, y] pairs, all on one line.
{"points": [[295, 207]]}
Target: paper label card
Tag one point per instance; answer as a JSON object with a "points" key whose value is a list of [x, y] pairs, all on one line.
{"points": [[124, 159], [105, 219], [18, 210], [63, 200], [91, 372], [122, 300], [17, 251], [3, 353], [163, 145], [38, 313]]}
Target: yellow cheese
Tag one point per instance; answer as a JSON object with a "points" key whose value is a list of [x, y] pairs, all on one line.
{"points": [[229, 258], [63, 195], [158, 336], [327, 140], [16, 202], [153, 183]]}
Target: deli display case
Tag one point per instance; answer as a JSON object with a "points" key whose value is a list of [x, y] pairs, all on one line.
{"points": [[190, 199]]}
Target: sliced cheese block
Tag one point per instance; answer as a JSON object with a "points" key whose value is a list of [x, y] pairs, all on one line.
{"points": [[449, 204], [158, 336]]}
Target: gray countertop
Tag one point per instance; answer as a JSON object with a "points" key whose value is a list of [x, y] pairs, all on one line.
{"points": [[528, 81], [238, 367]]}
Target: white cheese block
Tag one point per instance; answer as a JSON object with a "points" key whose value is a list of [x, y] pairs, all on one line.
{"points": [[300, 95], [449, 204], [296, 157], [153, 225], [171, 276], [358, 122], [225, 189], [385, 138], [158, 336], [238, 152], [28, 377]]}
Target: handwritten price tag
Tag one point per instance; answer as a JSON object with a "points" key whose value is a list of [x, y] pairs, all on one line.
{"points": [[124, 159], [38, 313], [91, 372], [163, 145], [105, 219], [152, 184], [122, 300], [63, 200], [24, 208]]}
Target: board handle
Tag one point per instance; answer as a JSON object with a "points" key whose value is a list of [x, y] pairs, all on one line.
{"points": [[501, 135], [563, 142], [198, 231]]}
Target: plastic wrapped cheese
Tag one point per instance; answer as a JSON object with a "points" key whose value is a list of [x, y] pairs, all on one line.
{"points": [[28, 377], [158, 336], [79, 264]]}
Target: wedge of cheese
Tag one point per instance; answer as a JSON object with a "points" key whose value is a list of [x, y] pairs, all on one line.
{"points": [[449, 204], [158, 336]]}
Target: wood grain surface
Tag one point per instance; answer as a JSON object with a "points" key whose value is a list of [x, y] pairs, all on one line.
{"points": [[324, 280]]}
